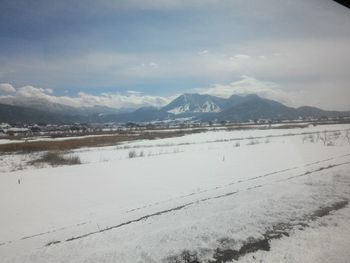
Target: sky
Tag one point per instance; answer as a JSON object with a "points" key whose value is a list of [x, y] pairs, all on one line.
{"points": [[132, 53]]}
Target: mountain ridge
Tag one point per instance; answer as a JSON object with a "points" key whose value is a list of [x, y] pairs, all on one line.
{"points": [[237, 108]]}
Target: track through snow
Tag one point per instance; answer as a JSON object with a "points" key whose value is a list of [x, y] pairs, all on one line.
{"points": [[145, 217], [325, 165], [205, 204]]}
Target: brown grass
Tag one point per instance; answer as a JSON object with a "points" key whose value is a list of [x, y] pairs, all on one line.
{"points": [[61, 145], [69, 144], [57, 159]]}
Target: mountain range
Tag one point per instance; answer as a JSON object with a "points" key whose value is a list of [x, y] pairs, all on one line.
{"points": [[195, 106]]}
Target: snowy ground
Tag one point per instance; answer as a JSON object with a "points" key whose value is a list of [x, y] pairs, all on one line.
{"points": [[273, 195]]}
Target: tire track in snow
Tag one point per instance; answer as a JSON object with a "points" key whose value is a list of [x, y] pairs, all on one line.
{"points": [[159, 213], [54, 230], [196, 201], [44, 233], [237, 182]]}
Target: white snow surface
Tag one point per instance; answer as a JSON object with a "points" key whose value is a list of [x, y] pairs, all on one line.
{"points": [[184, 193], [205, 107], [327, 240]]}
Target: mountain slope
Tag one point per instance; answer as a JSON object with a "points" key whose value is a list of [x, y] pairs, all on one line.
{"points": [[42, 104], [195, 106], [209, 108], [144, 114], [195, 103], [17, 114], [254, 107]]}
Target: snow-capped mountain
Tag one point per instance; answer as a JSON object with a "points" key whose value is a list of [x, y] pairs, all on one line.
{"points": [[195, 103], [196, 106], [202, 103]]}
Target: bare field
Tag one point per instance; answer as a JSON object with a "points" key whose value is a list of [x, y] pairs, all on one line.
{"points": [[89, 141]]}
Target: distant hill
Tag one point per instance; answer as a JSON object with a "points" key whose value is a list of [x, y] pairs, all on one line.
{"points": [[254, 107], [16, 114], [195, 106], [234, 108], [144, 114], [42, 104]]}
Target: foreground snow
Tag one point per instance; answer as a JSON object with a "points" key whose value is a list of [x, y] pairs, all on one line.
{"points": [[195, 196], [327, 240]]}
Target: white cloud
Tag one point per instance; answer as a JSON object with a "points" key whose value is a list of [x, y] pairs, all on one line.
{"points": [[203, 53], [30, 91], [50, 91], [153, 65], [248, 85], [134, 92], [131, 100], [305, 54], [241, 56], [7, 88], [289, 62], [29, 95]]}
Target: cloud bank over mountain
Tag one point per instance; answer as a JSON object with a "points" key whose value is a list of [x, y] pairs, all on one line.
{"points": [[28, 95], [248, 85], [101, 50]]}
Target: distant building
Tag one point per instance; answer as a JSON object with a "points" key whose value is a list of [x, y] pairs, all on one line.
{"points": [[17, 131], [4, 126]]}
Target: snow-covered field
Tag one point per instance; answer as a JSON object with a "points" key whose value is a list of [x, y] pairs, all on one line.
{"points": [[253, 195]]}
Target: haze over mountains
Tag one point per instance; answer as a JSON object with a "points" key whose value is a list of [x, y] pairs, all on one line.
{"points": [[195, 106]]}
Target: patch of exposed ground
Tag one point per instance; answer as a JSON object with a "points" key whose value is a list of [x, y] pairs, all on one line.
{"points": [[63, 145], [226, 252]]}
